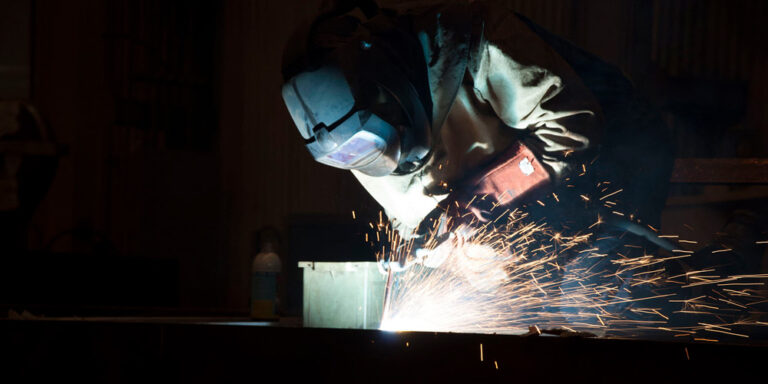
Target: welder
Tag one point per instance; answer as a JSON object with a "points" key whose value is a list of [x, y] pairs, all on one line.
{"points": [[470, 107]]}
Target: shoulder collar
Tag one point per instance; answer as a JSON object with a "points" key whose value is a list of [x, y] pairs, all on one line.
{"points": [[445, 33]]}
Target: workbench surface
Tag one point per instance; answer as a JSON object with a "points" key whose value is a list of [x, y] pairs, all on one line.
{"points": [[220, 350]]}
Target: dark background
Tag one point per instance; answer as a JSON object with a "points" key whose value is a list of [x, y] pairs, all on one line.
{"points": [[172, 145]]}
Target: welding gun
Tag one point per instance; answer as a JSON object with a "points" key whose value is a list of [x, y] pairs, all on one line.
{"points": [[425, 249]]}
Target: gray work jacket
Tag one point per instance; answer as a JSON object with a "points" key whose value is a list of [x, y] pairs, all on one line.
{"points": [[496, 78]]}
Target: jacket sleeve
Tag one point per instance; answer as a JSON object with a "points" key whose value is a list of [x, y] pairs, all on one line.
{"points": [[533, 90]]}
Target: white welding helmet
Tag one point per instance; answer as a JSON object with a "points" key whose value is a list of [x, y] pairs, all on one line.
{"points": [[358, 109]]}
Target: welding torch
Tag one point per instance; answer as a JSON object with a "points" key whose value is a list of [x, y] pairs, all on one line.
{"points": [[421, 249]]}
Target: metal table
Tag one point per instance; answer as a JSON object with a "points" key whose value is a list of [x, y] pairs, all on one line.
{"points": [[229, 350]]}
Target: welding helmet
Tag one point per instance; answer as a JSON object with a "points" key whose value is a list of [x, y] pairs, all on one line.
{"points": [[357, 105]]}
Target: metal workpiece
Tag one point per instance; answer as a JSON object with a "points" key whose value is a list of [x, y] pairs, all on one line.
{"points": [[342, 294]]}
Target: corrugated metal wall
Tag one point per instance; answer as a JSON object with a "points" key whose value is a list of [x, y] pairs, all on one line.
{"points": [[716, 39], [267, 173], [710, 38]]}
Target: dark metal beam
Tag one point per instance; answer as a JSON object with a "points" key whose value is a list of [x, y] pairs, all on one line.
{"points": [[721, 171]]}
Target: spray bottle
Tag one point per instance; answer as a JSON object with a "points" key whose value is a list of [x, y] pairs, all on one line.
{"points": [[265, 270]]}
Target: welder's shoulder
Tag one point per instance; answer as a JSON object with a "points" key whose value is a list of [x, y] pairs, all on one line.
{"points": [[501, 27], [511, 68], [515, 70], [506, 43]]}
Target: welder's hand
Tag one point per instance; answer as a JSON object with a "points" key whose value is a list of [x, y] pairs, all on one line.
{"points": [[482, 266], [447, 244]]}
